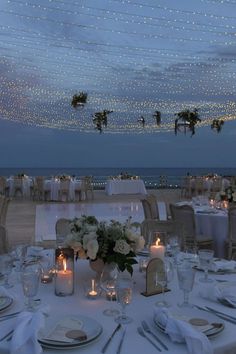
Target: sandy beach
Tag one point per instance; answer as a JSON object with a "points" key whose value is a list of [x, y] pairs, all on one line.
{"points": [[20, 222]]}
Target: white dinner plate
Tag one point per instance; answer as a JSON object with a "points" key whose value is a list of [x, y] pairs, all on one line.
{"points": [[5, 302], [201, 321], [88, 325]]}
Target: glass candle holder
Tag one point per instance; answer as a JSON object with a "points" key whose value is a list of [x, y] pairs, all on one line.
{"points": [[92, 291], [64, 271], [157, 248]]}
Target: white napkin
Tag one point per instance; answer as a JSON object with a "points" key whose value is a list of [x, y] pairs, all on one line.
{"points": [[25, 336], [34, 251], [6, 292], [180, 331], [215, 292], [223, 265]]}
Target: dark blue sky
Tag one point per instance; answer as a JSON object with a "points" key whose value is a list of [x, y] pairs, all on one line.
{"points": [[131, 57]]}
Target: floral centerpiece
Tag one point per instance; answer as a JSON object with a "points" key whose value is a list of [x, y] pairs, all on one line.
{"points": [[112, 242]]}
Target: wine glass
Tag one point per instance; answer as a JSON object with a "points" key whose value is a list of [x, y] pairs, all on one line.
{"points": [[6, 265], [174, 248], [19, 254], [30, 282], [186, 275], [163, 276], [206, 259], [108, 284], [124, 294]]}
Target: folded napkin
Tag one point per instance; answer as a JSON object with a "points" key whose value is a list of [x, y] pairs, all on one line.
{"points": [[217, 292], [26, 329], [180, 331], [34, 251], [6, 292], [223, 264]]}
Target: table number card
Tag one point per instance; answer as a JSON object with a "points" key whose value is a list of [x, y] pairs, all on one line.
{"points": [[153, 287]]}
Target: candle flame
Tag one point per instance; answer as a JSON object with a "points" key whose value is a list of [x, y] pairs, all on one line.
{"points": [[64, 264], [93, 285], [158, 242]]}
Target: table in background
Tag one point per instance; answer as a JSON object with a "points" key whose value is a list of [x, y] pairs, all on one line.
{"points": [[53, 186], [116, 186]]}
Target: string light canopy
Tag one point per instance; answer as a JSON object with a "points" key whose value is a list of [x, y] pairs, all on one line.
{"points": [[141, 60]]}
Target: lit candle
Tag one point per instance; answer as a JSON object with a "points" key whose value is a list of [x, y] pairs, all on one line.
{"points": [[157, 251], [93, 293], [64, 280]]}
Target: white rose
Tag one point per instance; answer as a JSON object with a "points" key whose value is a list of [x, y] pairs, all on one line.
{"points": [[74, 244], [139, 244], [121, 246], [88, 237], [92, 248]]}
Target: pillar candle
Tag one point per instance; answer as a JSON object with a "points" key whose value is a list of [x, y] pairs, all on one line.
{"points": [[157, 251]]}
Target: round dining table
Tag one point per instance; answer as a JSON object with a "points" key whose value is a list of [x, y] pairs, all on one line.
{"points": [[141, 308]]}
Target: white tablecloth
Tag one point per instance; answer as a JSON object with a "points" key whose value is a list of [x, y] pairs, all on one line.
{"points": [[215, 225], [53, 185], [117, 186], [140, 308]]}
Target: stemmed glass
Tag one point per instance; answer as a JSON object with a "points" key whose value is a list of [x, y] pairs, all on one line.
{"points": [[174, 248], [186, 275], [30, 282], [124, 293], [6, 264], [206, 259], [163, 276], [108, 284]]}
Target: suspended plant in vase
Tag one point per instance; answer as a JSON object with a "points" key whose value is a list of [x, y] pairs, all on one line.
{"points": [[100, 119], [157, 116], [217, 125], [186, 121], [142, 121], [79, 100]]}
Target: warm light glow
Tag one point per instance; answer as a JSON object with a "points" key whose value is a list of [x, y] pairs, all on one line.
{"points": [[158, 242], [64, 265]]}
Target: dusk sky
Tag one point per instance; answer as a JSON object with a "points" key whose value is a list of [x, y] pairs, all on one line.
{"points": [[132, 57]]}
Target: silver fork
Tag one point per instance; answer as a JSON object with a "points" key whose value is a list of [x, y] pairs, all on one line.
{"points": [[142, 333], [148, 330]]}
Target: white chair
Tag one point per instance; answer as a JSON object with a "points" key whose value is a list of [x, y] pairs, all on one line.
{"points": [[184, 215], [86, 188], [4, 247], [64, 190], [62, 229]]}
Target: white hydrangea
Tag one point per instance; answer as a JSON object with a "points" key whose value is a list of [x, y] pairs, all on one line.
{"points": [[92, 248]]}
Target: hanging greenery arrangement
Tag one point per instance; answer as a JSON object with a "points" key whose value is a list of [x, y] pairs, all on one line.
{"points": [[217, 125], [186, 121], [79, 100], [142, 121], [157, 116], [100, 119]]}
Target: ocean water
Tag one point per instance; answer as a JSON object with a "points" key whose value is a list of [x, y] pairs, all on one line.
{"points": [[153, 177]]}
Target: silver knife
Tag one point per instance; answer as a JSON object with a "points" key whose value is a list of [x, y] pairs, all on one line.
{"points": [[121, 342], [142, 333], [110, 338], [223, 317], [148, 330]]}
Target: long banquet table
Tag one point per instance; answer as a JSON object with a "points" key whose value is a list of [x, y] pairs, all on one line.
{"points": [[140, 308], [125, 186]]}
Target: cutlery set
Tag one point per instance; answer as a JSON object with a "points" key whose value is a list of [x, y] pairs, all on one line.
{"points": [[219, 314], [143, 331]]}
